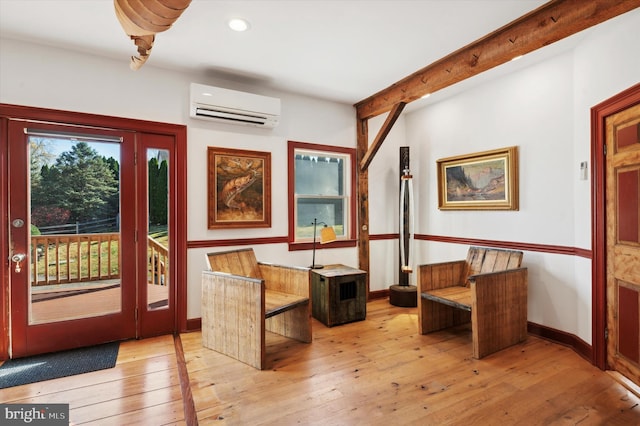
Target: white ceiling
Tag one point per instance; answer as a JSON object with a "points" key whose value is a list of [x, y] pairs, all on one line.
{"points": [[341, 50]]}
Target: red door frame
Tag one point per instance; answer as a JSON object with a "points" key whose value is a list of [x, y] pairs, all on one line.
{"points": [[178, 132], [4, 237], [599, 113]]}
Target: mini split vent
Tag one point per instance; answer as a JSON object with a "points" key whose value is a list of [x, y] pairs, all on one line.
{"points": [[231, 106]]}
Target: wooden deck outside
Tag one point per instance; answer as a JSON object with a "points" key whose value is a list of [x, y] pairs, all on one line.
{"points": [[89, 302], [374, 372], [78, 275]]}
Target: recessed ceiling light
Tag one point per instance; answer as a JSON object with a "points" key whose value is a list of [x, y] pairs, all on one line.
{"points": [[238, 24]]}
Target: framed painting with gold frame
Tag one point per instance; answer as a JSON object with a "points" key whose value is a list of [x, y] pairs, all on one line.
{"points": [[485, 180], [239, 188]]}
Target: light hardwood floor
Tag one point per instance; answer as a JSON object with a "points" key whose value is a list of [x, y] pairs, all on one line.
{"points": [[374, 372]]}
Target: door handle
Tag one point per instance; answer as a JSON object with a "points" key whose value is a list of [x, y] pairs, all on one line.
{"points": [[17, 259]]}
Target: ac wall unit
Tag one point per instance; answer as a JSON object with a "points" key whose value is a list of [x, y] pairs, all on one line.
{"points": [[232, 106]]}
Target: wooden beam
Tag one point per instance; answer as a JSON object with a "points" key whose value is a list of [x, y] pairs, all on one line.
{"points": [[549, 23], [382, 135], [363, 201]]}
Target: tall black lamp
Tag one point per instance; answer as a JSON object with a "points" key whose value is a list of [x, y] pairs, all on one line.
{"points": [[327, 235]]}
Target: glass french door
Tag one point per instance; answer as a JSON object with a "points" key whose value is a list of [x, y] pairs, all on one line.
{"points": [[90, 245], [156, 298]]}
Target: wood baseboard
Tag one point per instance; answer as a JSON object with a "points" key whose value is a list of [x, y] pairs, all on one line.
{"points": [[378, 294], [581, 347], [194, 324]]}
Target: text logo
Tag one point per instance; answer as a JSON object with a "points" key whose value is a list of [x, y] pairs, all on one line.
{"points": [[34, 414]]}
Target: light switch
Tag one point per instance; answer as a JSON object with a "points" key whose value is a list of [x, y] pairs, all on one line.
{"points": [[584, 169]]}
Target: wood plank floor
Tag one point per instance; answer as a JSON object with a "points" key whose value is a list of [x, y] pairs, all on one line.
{"points": [[381, 371], [143, 388], [374, 372]]}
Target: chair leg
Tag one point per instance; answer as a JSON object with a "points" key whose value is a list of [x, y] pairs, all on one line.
{"points": [[499, 318], [294, 324], [437, 316]]}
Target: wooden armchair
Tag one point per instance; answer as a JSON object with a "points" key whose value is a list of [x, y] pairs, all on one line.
{"points": [[489, 289], [241, 298]]}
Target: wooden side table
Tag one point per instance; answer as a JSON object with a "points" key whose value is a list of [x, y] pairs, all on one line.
{"points": [[338, 294]]}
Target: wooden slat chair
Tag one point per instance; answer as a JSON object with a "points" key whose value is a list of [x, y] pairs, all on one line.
{"points": [[241, 298], [489, 289]]}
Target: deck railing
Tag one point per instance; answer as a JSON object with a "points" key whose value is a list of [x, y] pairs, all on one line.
{"points": [[70, 258], [157, 271]]}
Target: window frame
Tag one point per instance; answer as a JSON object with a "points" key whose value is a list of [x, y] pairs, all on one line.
{"points": [[349, 239]]}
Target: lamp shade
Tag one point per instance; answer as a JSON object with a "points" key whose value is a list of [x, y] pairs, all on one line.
{"points": [[327, 235]]}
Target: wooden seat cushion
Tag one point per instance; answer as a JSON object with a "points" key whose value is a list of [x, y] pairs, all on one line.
{"points": [[456, 296], [276, 302]]}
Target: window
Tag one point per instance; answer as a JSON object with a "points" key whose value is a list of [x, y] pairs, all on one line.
{"points": [[321, 187]]}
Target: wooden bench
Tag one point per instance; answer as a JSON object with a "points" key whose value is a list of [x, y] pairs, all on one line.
{"points": [[489, 289], [242, 298]]}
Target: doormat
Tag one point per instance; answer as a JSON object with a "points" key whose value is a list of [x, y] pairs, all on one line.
{"points": [[37, 368]]}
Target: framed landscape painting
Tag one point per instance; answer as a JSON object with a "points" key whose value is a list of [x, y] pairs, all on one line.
{"points": [[482, 181], [239, 188]]}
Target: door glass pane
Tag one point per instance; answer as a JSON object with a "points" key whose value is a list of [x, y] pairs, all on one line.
{"points": [[158, 229], [75, 231]]}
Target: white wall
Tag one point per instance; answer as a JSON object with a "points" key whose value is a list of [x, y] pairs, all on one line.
{"points": [[304, 120], [47, 77], [384, 181], [544, 110]]}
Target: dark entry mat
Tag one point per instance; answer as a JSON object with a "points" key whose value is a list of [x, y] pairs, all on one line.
{"points": [[20, 371]]}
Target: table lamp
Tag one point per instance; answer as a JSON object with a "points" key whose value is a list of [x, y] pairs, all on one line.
{"points": [[327, 235]]}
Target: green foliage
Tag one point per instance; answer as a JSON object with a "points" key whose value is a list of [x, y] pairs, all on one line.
{"points": [[114, 201], [158, 191], [81, 182], [35, 230], [39, 155], [45, 193], [85, 185]]}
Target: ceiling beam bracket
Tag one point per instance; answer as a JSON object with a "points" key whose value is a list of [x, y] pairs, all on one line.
{"points": [[382, 135]]}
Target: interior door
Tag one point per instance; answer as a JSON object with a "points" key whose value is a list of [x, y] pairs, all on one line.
{"points": [[72, 273], [623, 241]]}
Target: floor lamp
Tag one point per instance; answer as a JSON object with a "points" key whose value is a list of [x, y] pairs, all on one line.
{"points": [[327, 235], [404, 294]]}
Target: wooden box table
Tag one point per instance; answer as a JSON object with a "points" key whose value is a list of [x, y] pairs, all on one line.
{"points": [[338, 294]]}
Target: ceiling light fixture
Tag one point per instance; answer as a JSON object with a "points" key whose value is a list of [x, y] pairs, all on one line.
{"points": [[238, 24]]}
